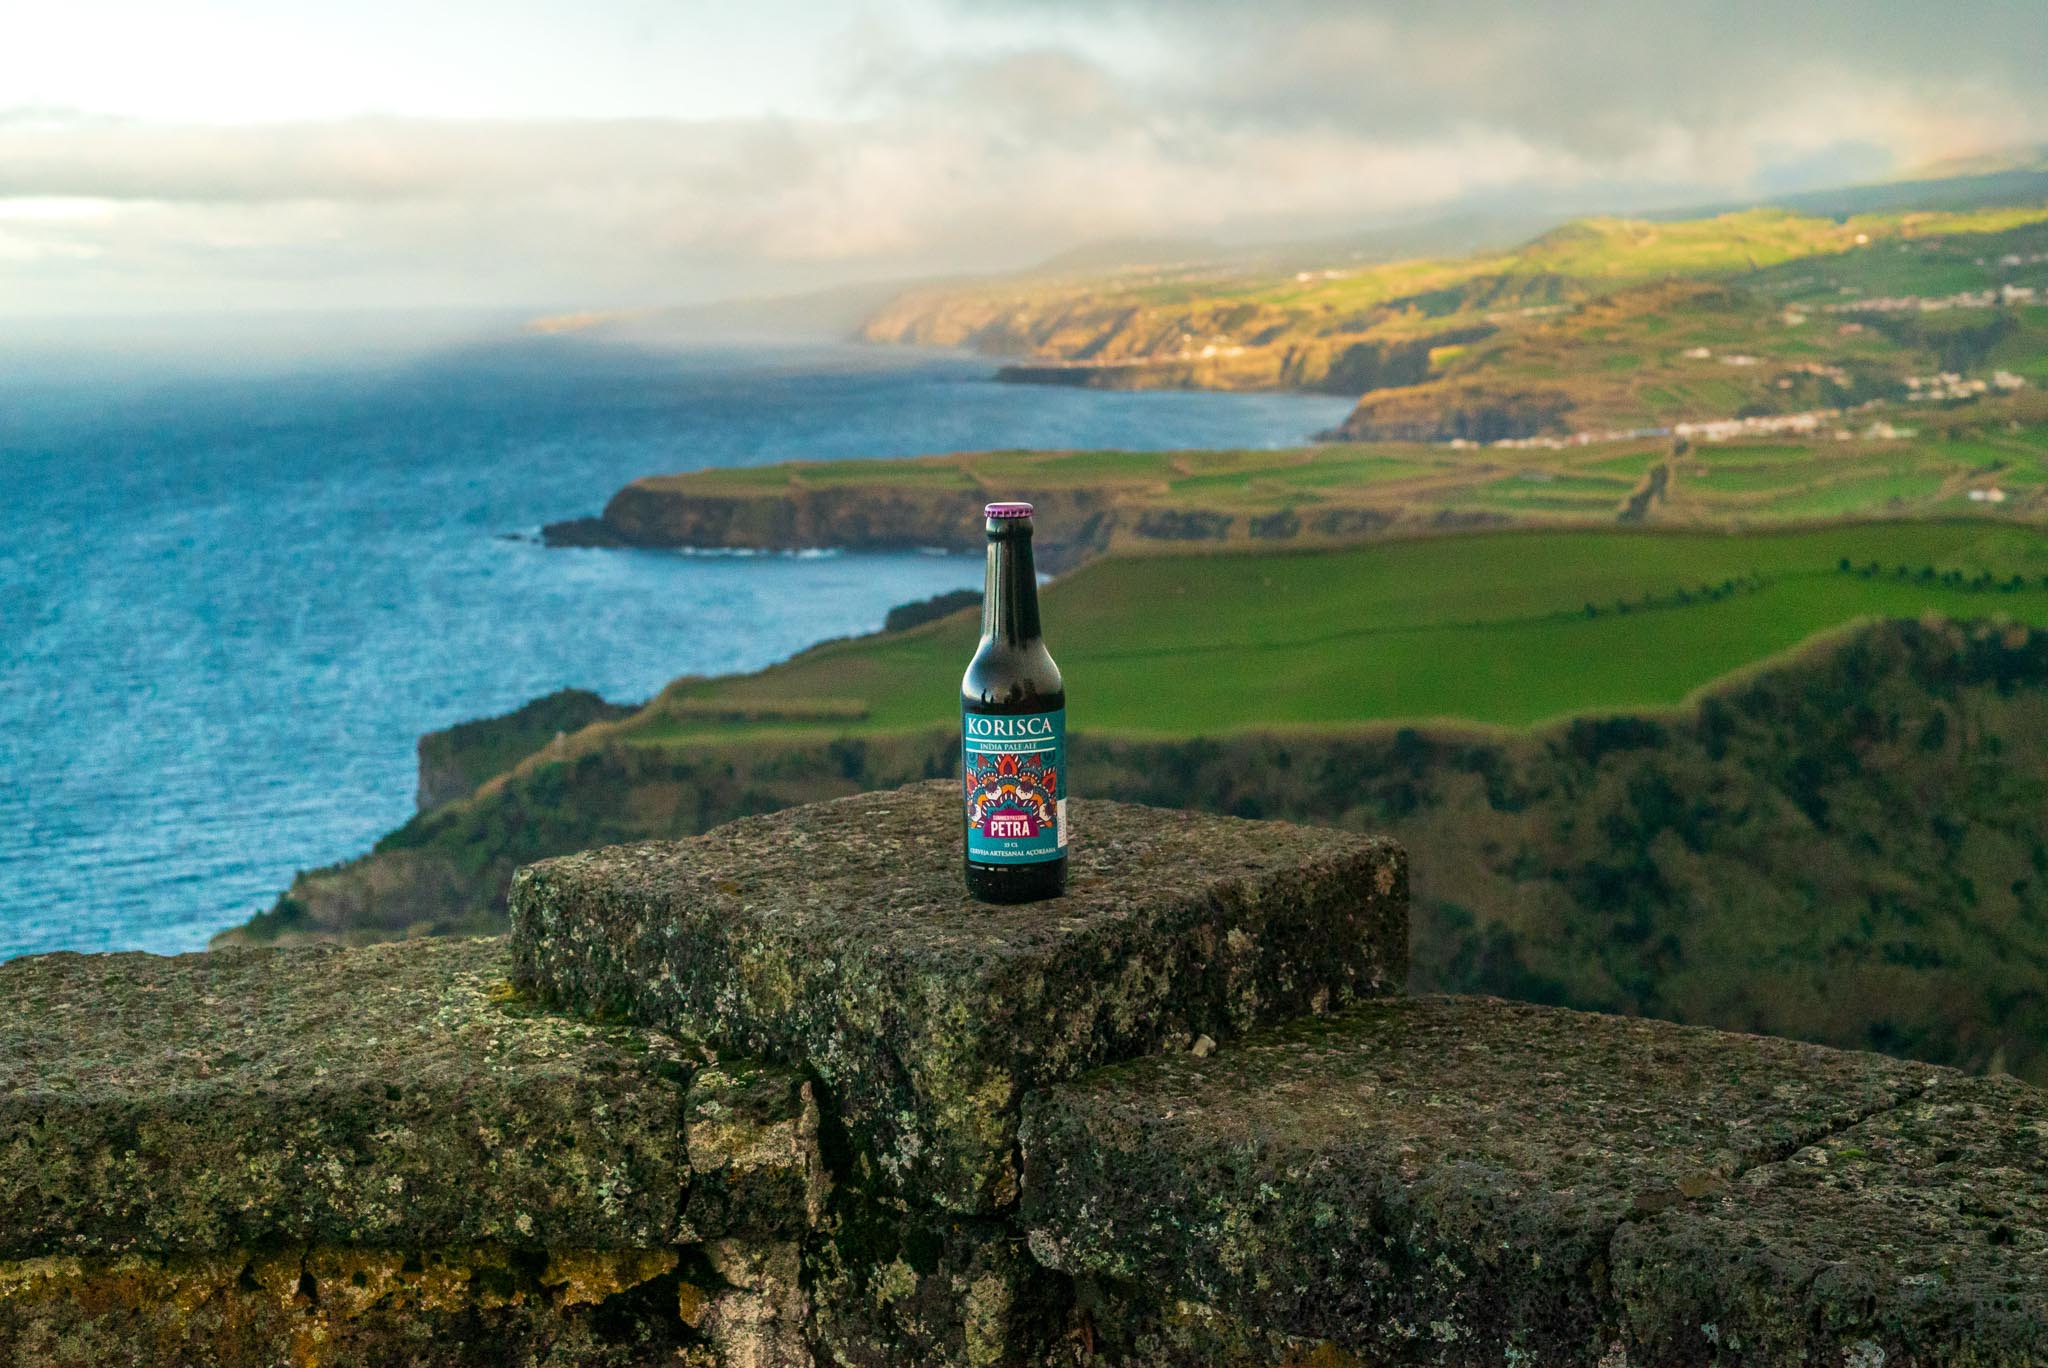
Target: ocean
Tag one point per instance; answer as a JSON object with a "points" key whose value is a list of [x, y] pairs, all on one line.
{"points": [[232, 597]]}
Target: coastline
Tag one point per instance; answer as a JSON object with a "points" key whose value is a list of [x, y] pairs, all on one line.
{"points": [[172, 776]]}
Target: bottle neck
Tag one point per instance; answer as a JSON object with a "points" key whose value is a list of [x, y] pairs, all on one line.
{"points": [[1009, 601]]}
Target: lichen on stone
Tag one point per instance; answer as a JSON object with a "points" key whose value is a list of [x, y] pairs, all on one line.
{"points": [[838, 938], [382, 1095], [311, 1306], [1419, 1179]]}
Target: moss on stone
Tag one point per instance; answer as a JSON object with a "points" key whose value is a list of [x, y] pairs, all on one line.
{"points": [[315, 1306], [760, 1317], [838, 937], [891, 1284], [752, 1137], [1918, 1235], [390, 1094], [1425, 1180], [1136, 1327]]}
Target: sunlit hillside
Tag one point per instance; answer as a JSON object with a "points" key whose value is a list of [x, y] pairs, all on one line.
{"points": [[1600, 324]]}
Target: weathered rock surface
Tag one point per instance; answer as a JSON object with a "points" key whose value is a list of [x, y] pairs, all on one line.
{"points": [[392, 1094], [1919, 1235], [1435, 1179], [839, 937], [383, 1156], [751, 1133], [475, 1306], [397, 1155], [892, 1287]]}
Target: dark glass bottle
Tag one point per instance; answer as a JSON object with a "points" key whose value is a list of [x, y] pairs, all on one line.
{"points": [[1013, 715]]}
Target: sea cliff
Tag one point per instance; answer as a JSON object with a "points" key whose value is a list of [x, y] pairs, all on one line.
{"points": [[1091, 502], [1572, 864], [1077, 522], [670, 511]]}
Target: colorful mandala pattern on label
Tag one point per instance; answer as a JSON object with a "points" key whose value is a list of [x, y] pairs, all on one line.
{"points": [[1013, 770]]}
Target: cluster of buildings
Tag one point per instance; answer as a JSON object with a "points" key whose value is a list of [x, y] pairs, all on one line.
{"points": [[1713, 430], [1721, 429], [1726, 358], [1787, 379], [1810, 423], [1968, 299], [1576, 439], [1193, 348], [1925, 389]]}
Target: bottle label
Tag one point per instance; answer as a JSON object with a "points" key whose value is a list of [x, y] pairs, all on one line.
{"points": [[1015, 772]]}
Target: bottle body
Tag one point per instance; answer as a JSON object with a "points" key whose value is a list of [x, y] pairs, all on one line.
{"points": [[1013, 733]]}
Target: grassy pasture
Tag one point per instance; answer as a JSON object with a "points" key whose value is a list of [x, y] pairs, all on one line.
{"points": [[1713, 482], [1503, 628]]}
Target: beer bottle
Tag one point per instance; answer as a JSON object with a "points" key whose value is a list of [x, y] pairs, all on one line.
{"points": [[1013, 709]]}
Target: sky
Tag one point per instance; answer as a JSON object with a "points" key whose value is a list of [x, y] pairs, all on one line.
{"points": [[231, 156]]}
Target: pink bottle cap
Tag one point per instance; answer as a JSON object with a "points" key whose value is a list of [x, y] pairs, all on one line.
{"points": [[1008, 510]]}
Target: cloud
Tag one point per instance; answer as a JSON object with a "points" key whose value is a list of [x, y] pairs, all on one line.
{"points": [[1597, 77], [629, 211], [1001, 134]]}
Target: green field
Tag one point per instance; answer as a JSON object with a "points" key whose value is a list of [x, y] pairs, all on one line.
{"points": [[2000, 443], [1840, 842], [1504, 629]]}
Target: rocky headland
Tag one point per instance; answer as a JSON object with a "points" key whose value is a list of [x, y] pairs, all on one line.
{"points": [[686, 511], [454, 760], [1078, 522], [1089, 503]]}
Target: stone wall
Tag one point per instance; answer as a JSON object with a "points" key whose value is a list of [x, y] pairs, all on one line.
{"points": [[779, 1095], [382, 1155], [1453, 1180]]}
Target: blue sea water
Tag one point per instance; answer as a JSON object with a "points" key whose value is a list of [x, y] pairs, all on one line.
{"points": [[230, 600]]}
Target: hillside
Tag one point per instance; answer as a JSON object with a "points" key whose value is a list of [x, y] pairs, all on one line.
{"points": [[1982, 456], [1609, 802], [454, 760], [1624, 597], [1502, 629], [1596, 325], [1844, 848]]}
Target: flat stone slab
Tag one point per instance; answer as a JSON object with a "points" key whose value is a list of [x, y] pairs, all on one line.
{"points": [[839, 937], [1423, 1179], [1917, 1236], [395, 1094]]}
